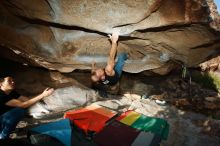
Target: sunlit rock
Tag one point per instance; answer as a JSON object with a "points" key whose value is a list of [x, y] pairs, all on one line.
{"points": [[68, 35]]}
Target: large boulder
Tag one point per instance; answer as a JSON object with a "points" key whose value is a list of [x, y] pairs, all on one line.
{"points": [[68, 35]]}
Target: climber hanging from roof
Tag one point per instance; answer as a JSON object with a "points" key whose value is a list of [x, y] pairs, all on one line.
{"points": [[111, 74]]}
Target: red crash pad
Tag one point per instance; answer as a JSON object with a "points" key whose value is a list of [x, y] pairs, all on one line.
{"points": [[90, 118]]}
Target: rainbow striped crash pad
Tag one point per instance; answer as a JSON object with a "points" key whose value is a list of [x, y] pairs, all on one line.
{"points": [[144, 123], [119, 134], [133, 129]]}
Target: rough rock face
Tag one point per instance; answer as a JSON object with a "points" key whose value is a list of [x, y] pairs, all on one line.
{"points": [[63, 99], [67, 35], [213, 64], [214, 15]]}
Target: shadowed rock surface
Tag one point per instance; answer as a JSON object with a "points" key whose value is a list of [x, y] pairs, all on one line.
{"points": [[68, 35]]}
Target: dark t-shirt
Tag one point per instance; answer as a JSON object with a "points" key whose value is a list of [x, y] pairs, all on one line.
{"points": [[111, 80], [4, 98]]}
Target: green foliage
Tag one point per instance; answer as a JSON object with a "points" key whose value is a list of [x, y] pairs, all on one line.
{"points": [[207, 80]]}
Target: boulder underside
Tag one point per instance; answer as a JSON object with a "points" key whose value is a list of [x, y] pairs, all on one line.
{"points": [[68, 35]]}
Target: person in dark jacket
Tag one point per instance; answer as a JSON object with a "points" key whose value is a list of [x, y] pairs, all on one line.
{"points": [[13, 105]]}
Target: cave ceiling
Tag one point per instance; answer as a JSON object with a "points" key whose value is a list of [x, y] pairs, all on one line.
{"points": [[65, 35]]}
